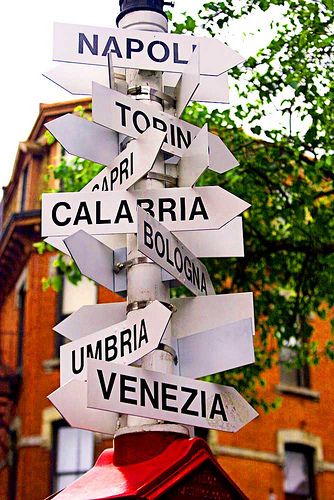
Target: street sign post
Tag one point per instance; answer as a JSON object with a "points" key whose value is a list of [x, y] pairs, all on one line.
{"points": [[162, 396], [131, 117], [153, 51], [71, 402], [179, 209], [160, 245], [188, 82], [122, 343]]}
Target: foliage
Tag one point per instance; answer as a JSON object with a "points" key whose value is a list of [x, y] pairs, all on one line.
{"points": [[286, 173]]}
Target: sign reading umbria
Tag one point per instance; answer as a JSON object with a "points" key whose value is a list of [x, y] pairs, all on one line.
{"points": [[162, 396], [180, 209], [140, 49], [157, 243], [122, 343]]}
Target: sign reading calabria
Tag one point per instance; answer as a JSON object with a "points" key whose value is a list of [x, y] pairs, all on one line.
{"points": [[162, 396], [140, 49], [122, 343], [180, 209]]}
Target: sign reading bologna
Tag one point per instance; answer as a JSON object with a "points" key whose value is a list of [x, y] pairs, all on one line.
{"points": [[140, 49], [157, 243], [162, 396]]}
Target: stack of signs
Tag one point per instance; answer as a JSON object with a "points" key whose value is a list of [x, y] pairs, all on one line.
{"points": [[174, 226]]}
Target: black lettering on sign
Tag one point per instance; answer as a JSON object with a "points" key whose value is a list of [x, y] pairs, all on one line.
{"points": [[136, 121], [142, 334], [203, 404], [113, 47], [166, 396], [126, 388], [217, 408], [106, 391], [126, 341], [159, 125], [82, 214], [148, 232], [55, 216], [123, 207], [181, 138], [98, 350], [124, 108], [93, 48], [187, 268], [203, 284], [149, 205], [151, 53], [198, 209], [177, 60], [159, 238], [152, 396], [78, 369], [167, 205], [99, 219], [185, 408], [110, 348], [113, 178], [133, 45]]}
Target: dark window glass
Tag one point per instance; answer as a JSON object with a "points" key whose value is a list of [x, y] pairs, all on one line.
{"points": [[298, 473], [296, 377], [73, 454], [24, 189]]}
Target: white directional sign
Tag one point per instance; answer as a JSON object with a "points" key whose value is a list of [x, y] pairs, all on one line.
{"points": [[140, 49], [195, 160], [179, 209], [214, 351], [157, 243], [131, 165], [131, 117], [71, 402], [122, 343], [90, 319], [162, 396], [77, 79], [96, 261], [85, 139], [193, 315], [188, 82], [197, 314]]}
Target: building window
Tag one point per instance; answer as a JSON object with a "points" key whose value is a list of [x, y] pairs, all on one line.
{"points": [[298, 472], [21, 310], [24, 189], [70, 299], [73, 454], [289, 374]]}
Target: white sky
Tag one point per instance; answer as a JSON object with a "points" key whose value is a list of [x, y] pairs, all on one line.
{"points": [[26, 30]]}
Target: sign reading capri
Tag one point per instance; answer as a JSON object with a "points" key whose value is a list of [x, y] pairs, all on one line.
{"points": [[99, 212], [157, 243], [122, 343], [162, 396]]}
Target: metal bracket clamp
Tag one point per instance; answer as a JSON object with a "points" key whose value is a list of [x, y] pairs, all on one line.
{"points": [[141, 304], [120, 266], [172, 181], [170, 350], [146, 92]]}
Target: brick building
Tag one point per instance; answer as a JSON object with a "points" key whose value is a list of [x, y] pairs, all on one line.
{"points": [[286, 454]]}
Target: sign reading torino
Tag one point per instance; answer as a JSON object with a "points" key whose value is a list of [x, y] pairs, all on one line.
{"points": [[162, 396], [180, 209], [140, 49], [123, 343], [157, 243]]}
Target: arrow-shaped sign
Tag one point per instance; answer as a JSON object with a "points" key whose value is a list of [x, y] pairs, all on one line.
{"points": [[160, 245], [195, 160], [220, 311], [217, 350], [77, 79], [131, 165], [179, 209], [96, 260], [188, 82], [71, 402], [130, 117], [122, 343], [153, 51], [85, 139], [162, 396]]}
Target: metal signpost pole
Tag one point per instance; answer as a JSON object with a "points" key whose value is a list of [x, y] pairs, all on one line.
{"points": [[144, 278]]}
